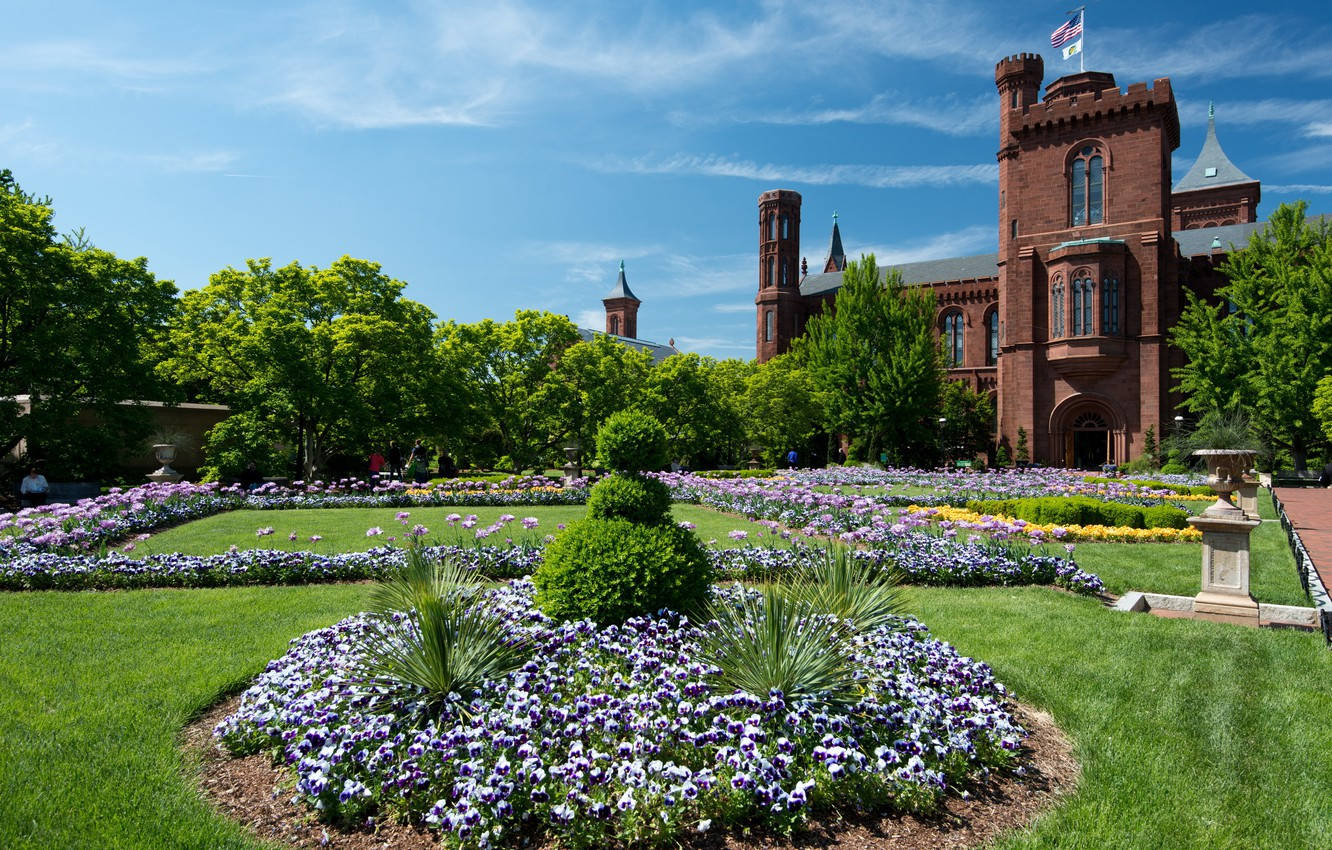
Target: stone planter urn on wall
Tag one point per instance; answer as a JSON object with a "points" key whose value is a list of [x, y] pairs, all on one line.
{"points": [[165, 453], [1225, 529]]}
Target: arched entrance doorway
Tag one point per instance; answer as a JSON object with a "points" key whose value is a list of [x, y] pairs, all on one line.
{"points": [[1088, 443]]}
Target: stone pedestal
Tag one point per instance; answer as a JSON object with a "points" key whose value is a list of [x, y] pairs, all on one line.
{"points": [[165, 453], [1225, 529], [1225, 569], [1248, 489]]}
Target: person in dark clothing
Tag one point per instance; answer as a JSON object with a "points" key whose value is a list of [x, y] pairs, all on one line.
{"points": [[791, 458], [1325, 479], [395, 460], [251, 477]]}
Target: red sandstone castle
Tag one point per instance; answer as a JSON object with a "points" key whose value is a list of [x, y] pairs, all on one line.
{"points": [[1066, 326]]}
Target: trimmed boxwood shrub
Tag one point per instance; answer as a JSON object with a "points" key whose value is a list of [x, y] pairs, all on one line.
{"points": [[1181, 489], [629, 441], [631, 497], [1082, 510], [609, 570]]}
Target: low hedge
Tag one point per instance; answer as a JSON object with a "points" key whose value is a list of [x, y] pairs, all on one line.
{"points": [[737, 473], [1180, 489], [1082, 510]]}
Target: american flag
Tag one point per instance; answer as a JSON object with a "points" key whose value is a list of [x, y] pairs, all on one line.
{"points": [[1066, 33]]}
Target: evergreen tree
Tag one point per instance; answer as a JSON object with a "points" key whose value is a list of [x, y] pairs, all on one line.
{"points": [[1023, 454]]}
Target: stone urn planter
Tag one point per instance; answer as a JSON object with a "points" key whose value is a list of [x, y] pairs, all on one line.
{"points": [[1225, 529], [165, 454]]}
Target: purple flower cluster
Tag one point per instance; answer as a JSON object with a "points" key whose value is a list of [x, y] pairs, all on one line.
{"points": [[620, 733], [36, 570], [924, 559]]}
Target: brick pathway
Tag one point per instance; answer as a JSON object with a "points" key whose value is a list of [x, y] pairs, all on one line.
{"points": [[1310, 511]]}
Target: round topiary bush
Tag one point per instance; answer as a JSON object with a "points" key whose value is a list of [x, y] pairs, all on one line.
{"points": [[629, 441], [631, 497], [611, 569]]}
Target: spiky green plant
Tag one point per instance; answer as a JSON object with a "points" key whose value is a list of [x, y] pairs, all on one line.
{"points": [[840, 585], [769, 642], [451, 645]]}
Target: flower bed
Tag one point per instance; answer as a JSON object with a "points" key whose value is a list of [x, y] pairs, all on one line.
{"points": [[620, 733], [92, 523], [963, 518], [926, 559]]}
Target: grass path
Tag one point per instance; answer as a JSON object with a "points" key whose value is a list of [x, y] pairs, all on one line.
{"points": [[343, 529], [1191, 734]]}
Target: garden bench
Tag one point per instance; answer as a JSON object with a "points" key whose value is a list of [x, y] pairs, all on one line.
{"points": [[1295, 478]]}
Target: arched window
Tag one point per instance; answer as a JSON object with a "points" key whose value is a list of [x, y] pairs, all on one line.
{"points": [[786, 281], [992, 337], [1110, 306], [1084, 291], [786, 227], [1057, 308], [615, 325], [767, 326], [1086, 185], [953, 339], [772, 227], [772, 272]]}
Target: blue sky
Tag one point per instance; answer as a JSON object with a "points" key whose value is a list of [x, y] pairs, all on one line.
{"points": [[508, 154]]}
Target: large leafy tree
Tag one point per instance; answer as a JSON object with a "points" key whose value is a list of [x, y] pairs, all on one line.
{"points": [[1268, 344], [781, 408], [697, 400], [333, 360], [76, 323], [968, 423], [876, 361], [593, 379], [505, 370]]}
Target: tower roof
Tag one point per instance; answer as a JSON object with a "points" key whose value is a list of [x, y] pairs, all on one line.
{"points": [[1212, 167], [621, 289], [836, 256]]}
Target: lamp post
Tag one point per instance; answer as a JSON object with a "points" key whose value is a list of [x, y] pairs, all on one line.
{"points": [[943, 443]]}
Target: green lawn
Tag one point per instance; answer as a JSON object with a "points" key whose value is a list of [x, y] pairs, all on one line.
{"points": [[343, 529], [1190, 734], [1176, 568]]}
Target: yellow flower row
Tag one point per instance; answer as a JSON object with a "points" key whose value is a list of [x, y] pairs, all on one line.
{"points": [[1072, 533]]}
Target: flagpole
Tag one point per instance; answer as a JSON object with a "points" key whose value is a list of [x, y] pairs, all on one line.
{"points": [[1082, 25]]}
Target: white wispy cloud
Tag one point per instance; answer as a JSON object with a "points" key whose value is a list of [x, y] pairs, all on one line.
{"points": [[1298, 188], [874, 176], [588, 262], [200, 161], [686, 276], [1319, 129], [593, 319], [733, 308], [91, 60], [1311, 158], [975, 239], [1244, 46], [949, 114]]}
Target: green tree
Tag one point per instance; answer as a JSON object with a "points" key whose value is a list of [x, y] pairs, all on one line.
{"points": [[968, 426], [506, 369], [1023, 453], [877, 363], [1269, 343], [76, 327], [694, 398], [331, 359], [592, 379], [1323, 405], [781, 408], [1150, 451]]}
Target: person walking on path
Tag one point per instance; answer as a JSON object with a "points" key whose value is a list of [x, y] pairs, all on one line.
{"points": [[376, 463], [395, 460], [34, 489], [791, 458]]}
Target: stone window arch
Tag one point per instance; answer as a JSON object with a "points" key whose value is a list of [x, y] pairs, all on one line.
{"points": [[1057, 307], [767, 326], [1087, 165], [953, 338], [771, 278], [1084, 301], [615, 325], [1110, 307], [992, 336]]}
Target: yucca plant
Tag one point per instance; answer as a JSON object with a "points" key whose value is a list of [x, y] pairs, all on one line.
{"points": [[447, 645], [850, 589], [769, 642]]}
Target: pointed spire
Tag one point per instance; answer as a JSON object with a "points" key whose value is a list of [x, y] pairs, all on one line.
{"points": [[836, 256], [621, 289], [1212, 167]]}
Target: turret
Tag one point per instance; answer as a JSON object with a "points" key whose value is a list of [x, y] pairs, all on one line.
{"points": [[778, 299], [622, 308]]}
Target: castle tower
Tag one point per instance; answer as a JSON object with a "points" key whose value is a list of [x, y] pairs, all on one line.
{"points": [[621, 309], [1087, 278], [778, 300], [1214, 192], [836, 256]]}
